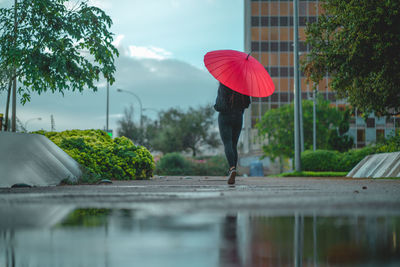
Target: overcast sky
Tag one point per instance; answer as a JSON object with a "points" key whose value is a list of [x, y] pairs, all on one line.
{"points": [[162, 44]]}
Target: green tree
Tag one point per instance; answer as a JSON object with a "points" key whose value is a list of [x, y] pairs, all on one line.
{"points": [[277, 126], [49, 45], [338, 140], [186, 131], [140, 135], [358, 42]]}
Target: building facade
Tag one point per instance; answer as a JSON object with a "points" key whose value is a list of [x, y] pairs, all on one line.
{"points": [[268, 31]]}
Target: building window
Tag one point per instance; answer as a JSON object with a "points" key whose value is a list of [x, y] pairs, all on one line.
{"points": [[284, 72], [274, 97], [255, 21], [371, 123], [284, 97], [255, 46], [274, 71], [264, 46], [380, 135], [284, 21], [360, 136], [273, 21]]}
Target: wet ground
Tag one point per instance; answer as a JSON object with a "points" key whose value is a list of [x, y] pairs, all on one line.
{"points": [[201, 221]]}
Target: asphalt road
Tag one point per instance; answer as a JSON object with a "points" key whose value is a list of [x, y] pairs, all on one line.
{"points": [[277, 196]]}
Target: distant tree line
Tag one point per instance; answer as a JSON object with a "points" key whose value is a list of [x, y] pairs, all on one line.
{"points": [[174, 130]]}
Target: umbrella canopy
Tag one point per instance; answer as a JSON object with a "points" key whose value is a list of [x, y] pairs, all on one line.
{"points": [[240, 72]]}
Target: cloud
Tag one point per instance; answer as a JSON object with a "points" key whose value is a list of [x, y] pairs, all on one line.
{"points": [[151, 52], [160, 82], [117, 40], [141, 52]]}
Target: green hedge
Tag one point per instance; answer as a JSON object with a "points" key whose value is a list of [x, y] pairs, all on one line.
{"points": [[176, 164], [327, 160], [173, 164], [319, 160], [103, 156], [348, 160]]}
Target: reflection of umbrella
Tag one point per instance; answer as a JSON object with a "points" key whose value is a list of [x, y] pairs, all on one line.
{"points": [[240, 72]]}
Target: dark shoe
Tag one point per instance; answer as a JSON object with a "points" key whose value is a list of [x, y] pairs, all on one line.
{"points": [[232, 176]]}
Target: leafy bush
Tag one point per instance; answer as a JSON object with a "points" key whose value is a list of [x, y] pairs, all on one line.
{"points": [[351, 158], [173, 164], [176, 164], [390, 145], [326, 160], [311, 174], [103, 156], [210, 166], [319, 160]]}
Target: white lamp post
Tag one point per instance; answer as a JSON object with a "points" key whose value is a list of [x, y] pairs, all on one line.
{"points": [[138, 99]]}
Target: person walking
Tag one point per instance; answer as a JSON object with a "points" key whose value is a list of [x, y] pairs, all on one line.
{"points": [[240, 76], [231, 106]]}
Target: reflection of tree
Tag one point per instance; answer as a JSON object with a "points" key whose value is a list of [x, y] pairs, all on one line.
{"points": [[229, 252], [86, 218], [301, 241]]}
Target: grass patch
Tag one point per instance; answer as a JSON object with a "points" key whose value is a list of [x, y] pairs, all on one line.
{"points": [[311, 174]]}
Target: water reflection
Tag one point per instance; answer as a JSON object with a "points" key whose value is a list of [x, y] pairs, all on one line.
{"points": [[123, 237]]}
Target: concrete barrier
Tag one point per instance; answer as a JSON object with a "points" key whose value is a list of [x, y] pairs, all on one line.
{"points": [[35, 216], [377, 165], [34, 160]]}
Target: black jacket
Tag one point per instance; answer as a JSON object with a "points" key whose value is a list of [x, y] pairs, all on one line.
{"points": [[230, 101]]}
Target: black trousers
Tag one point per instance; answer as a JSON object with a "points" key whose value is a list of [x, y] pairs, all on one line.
{"points": [[230, 126]]}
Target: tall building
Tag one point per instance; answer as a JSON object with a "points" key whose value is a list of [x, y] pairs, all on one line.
{"points": [[269, 36]]}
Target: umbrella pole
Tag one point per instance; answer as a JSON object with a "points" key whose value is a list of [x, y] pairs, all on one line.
{"points": [[297, 92]]}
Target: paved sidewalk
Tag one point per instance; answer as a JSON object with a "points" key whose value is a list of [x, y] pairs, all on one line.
{"points": [[329, 196]]}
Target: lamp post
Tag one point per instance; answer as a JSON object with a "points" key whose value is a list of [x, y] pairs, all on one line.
{"points": [[26, 123], [108, 103], [297, 91], [138, 99], [315, 119]]}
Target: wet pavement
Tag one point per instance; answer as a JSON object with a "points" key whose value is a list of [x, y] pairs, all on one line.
{"points": [[201, 221]]}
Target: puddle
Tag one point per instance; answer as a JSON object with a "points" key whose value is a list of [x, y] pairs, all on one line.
{"points": [[65, 236]]}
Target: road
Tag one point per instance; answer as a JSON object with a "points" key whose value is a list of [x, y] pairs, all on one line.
{"points": [[328, 196]]}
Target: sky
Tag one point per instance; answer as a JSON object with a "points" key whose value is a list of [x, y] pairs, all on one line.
{"points": [[162, 44]]}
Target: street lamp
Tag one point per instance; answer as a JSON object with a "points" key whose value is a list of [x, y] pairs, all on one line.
{"points": [[108, 104], [297, 91], [151, 109], [138, 99], [26, 123]]}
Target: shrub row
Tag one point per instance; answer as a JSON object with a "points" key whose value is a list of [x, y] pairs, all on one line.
{"points": [[176, 164], [327, 160], [103, 156]]}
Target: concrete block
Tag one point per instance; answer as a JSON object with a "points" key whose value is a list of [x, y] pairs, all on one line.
{"points": [[34, 160], [377, 165]]}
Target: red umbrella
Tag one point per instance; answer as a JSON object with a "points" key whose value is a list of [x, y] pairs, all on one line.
{"points": [[240, 72]]}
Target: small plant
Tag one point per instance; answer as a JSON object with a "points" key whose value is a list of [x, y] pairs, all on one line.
{"points": [[176, 164], [173, 164]]}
